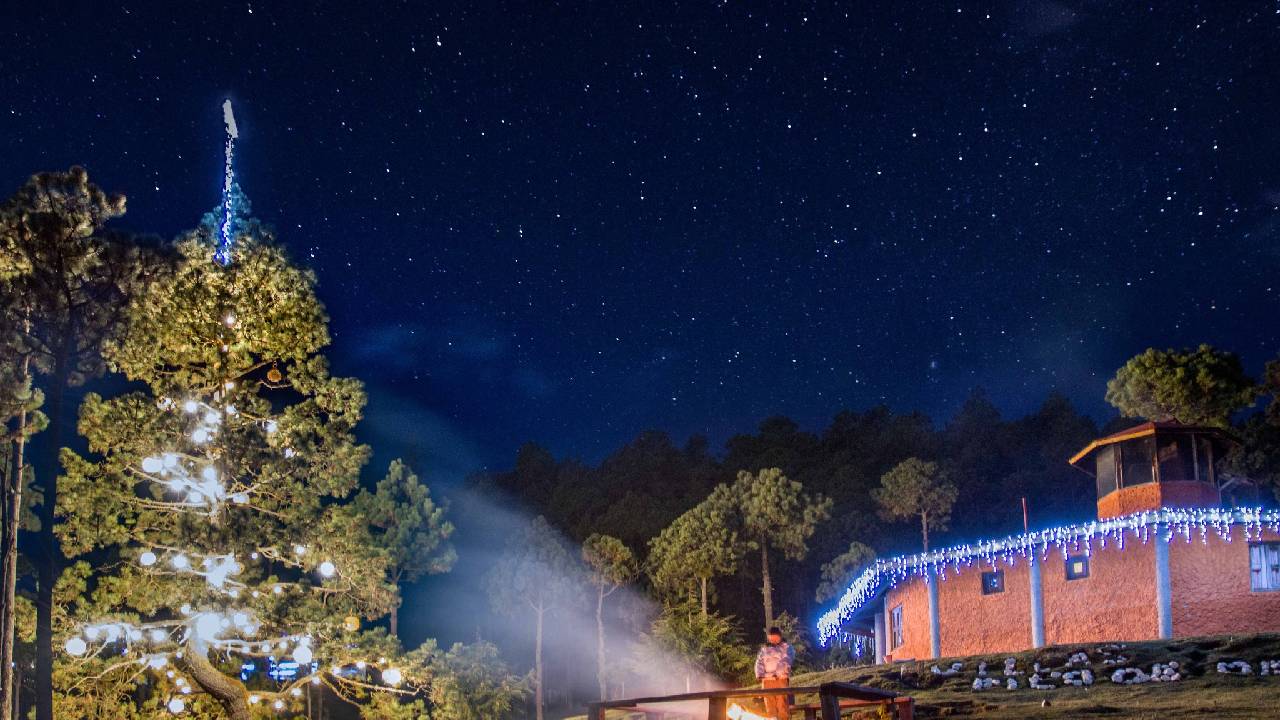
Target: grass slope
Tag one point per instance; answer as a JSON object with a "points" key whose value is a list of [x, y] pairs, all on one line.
{"points": [[1202, 693]]}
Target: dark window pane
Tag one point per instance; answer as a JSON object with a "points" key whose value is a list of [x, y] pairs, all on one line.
{"points": [[992, 582], [1176, 463], [1135, 461], [1204, 453], [1106, 473]]}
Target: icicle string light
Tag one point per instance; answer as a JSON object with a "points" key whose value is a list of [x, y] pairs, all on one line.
{"points": [[1168, 524]]}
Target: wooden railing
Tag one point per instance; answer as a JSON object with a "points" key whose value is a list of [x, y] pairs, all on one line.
{"points": [[832, 698]]}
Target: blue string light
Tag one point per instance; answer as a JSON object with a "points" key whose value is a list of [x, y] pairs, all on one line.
{"points": [[222, 255], [1067, 539]]}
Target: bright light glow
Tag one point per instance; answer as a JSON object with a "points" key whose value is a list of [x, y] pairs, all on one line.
{"points": [[170, 460], [176, 706], [76, 646], [240, 498], [157, 661], [302, 654], [279, 704], [200, 436], [327, 569], [180, 562], [212, 417], [392, 676], [210, 473], [299, 549], [208, 626], [272, 426], [737, 712], [158, 635], [152, 464], [240, 619], [191, 406], [254, 699], [147, 559]]}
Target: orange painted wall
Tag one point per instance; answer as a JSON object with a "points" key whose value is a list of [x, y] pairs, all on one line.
{"points": [[913, 595], [1211, 594], [974, 623], [1116, 602], [1153, 496]]}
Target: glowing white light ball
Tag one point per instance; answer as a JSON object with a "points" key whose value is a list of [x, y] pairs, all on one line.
{"points": [[391, 676], [157, 661], [177, 705], [210, 473], [191, 406], [147, 559], [208, 626], [152, 464], [76, 646], [327, 569], [180, 562], [302, 654]]}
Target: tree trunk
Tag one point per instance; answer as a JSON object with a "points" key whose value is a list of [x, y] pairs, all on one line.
{"points": [[704, 598], [924, 529], [13, 519], [537, 667], [48, 556], [766, 586], [229, 692], [395, 620], [600, 666]]}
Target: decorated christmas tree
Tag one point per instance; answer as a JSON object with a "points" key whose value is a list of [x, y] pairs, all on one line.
{"points": [[230, 574]]}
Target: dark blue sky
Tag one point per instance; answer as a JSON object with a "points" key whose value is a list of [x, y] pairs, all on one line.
{"points": [[568, 223]]}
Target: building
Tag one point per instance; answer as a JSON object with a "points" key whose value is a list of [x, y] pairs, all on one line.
{"points": [[1163, 559]]}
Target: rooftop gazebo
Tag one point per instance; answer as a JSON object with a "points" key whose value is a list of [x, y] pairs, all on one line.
{"points": [[1155, 465]]}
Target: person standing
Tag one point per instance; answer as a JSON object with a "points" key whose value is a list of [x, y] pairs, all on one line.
{"points": [[773, 670]]}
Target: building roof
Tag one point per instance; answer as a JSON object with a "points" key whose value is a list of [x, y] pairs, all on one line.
{"points": [[1167, 524], [1146, 429]]}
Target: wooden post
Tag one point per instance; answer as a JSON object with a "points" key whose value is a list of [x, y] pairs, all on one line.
{"points": [[830, 707], [717, 708], [905, 707]]}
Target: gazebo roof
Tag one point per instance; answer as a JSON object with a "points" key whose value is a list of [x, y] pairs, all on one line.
{"points": [[1147, 429]]}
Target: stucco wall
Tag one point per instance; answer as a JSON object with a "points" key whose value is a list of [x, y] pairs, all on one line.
{"points": [[975, 623], [913, 595], [1211, 593], [1116, 602]]}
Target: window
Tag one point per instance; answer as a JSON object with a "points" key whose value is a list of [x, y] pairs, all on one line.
{"points": [[1106, 470], [1137, 461], [1077, 567], [895, 626], [993, 582], [1264, 566]]}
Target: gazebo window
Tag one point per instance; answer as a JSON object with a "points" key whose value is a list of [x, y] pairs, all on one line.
{"points": [[1264, 566], [1177, 459], [1137, 462], [1106, 463]]}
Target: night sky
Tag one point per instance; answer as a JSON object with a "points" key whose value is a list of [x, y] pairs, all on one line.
{"points": [[569, 223]]}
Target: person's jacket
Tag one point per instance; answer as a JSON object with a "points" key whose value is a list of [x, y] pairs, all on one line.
{"points": [[774, 661]]}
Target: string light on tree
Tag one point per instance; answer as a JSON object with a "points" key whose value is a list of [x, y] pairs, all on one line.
{"points": [[230, 505]]}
